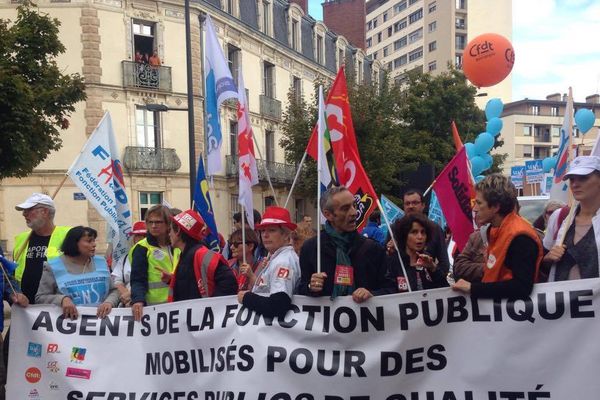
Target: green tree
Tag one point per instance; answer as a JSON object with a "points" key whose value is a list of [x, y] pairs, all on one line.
{"points": [[35, 97]]}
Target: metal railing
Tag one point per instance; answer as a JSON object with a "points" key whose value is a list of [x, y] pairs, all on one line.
{"points": [[280, 173], [142, 75], [151, 159], [270, 108]]}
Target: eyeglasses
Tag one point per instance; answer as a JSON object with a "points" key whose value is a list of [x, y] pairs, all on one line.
{"points": [[155, 222], [236, 244]]}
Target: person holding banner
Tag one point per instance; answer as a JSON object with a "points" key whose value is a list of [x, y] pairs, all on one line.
{"points": [[577, 254], [413, 233], [245, 281], [276, 283], [200, 272], [78, 277], [514, 250], [152, 262], [356, 263]]}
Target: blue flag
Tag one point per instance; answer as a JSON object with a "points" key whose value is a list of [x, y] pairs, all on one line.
{"points": [[203, 205], [435, 211]]}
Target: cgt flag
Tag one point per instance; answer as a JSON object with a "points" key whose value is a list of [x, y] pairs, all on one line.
{"points": [[455, 193], [97, 172], [219, 86], [203, 205], [350, 170]]}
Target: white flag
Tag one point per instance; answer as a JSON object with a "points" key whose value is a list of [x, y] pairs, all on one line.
{"points": [[97, 172], [248, 172], [219, 86]]}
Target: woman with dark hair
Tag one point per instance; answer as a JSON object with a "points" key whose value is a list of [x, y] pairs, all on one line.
{"points": [[237, 256], [200, 272], [412, 234], [78, 277]]}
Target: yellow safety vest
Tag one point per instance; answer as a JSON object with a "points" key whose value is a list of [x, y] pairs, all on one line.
{"points": [[158, 291], [22, 244]]}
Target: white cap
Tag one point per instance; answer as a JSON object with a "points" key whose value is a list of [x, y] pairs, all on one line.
{"points": [[34, 200], [583, 165]]}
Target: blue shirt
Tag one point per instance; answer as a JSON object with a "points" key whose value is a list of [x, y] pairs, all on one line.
{"points": [[372, 231]]}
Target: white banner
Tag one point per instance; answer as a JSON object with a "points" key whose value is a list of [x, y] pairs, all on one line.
{"points": [[434, 345], [98, 173]]}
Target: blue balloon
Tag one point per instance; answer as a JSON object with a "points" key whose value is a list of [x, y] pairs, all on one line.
{"points": [[493, 108], [479, 178], [470, 150], [494, 126], [484, 143], [489, 160], [548, 163], [584, 118], [477, 165]]}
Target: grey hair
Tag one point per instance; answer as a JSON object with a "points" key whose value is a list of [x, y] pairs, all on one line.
{"points": [[327, 197], [555, 204], [51, 211]]}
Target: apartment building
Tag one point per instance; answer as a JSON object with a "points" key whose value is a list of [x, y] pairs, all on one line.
{"points": [[531, 128], [275, 43]]}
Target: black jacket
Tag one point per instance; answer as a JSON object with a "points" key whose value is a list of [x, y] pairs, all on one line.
{"points": [[436, 279], [368, 261]]}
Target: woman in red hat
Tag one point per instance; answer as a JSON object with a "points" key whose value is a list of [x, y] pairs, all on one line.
{"points": [[275, 284], [200, 272], [121, 273]]}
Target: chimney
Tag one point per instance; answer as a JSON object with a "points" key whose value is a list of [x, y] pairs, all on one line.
{"points": [[303, 4], [553, 97], [594, 99], [565, 97]]}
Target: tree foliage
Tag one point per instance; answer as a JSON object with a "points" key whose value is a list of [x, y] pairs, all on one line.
{"points": [[35, 97], [397, 127]]}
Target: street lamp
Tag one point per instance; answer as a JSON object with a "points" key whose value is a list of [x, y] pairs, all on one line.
{"points": [[163, 108]]}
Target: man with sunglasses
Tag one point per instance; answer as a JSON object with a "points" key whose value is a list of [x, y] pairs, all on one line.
{"points": [[578, 255]]}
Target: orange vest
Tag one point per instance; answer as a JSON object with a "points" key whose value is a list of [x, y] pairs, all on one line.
{"points": [[205, 266], [500, 239]]}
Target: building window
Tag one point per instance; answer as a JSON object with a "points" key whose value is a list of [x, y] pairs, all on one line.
{"points": [[143, 40], [233, 59], [461, 42], [415, 35], [147, 200], [535, 110], [269, 201], [554, 111], [432, 46], [461, 4], [432, 66], [400, 6], [233, 134], [400, 43], [398, 26], [385, 51], [458, 61], [360, 71], [527, 129], [379, 37], [556, 131], [390, 31], [432, 26], [369, 42], [400, 61], [411, 2], [460, 23], [234, 206], [269, 79], [374, 23], [385, 17], [414, 17], [147, 126], [527, 150], [297, 88], [270, 146], [265, 9], [319, 50], [375, 55], [341, 58], [295, 35], [415, 54], [229, 6], [369, 25], [300, 209], [432, 7]]}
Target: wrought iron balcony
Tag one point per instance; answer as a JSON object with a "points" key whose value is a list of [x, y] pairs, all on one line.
{"points": [[146, 76], [151, 159], [280, 173], [270, 108]]}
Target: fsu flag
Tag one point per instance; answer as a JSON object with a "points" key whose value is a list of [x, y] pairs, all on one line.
{"points": [[560, 189], [455, 193], [345, 150]]}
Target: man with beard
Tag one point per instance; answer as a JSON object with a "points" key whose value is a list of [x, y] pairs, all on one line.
{"points": [[350, 263]]}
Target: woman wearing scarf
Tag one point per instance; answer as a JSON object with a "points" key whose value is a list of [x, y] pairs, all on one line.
{"points": [[275, 284]]}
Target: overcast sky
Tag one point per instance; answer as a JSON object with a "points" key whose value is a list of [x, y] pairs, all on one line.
{"points": [[557, 45]]}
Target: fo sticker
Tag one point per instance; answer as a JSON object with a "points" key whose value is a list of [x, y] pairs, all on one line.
{"points": [[491, 261], [33, 375], [158, 254]]}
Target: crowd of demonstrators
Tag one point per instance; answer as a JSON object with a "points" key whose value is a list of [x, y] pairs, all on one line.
{"points": [[274, 285], [350, 263], [413, 233], [200, 272]]}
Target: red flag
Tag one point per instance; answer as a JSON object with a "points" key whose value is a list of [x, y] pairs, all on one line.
{"points": [[458, 144], [455, 193], [351, 172]]}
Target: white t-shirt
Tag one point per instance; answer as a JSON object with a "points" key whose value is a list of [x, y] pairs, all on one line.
{"points": [[122, 272], [282, 273]]}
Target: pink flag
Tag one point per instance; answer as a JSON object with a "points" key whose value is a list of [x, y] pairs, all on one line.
{"points": [[248, 172], [455, 193]]}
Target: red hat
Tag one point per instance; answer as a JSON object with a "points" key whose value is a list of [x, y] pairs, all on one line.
{"points": [[277, 216], [191, 223], [139, 228]]}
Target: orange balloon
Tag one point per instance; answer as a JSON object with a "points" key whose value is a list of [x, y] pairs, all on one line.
{"points": [[488, 59]]}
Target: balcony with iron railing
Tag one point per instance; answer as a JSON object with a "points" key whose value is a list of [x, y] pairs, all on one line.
{"points": [[270, 108], [280, 173], [146, 76], [151, 159]]}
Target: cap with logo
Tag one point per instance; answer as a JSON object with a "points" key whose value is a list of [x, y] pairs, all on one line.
{"points": [[276, 216], [583, 165], [191, 223], [34, 200], [139, 228]]}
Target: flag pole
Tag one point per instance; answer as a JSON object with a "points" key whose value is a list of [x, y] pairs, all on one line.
{"points": [[389, 227], [60, 185], [319, 172], [266, 171], [289, 196], [243, 234]]}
